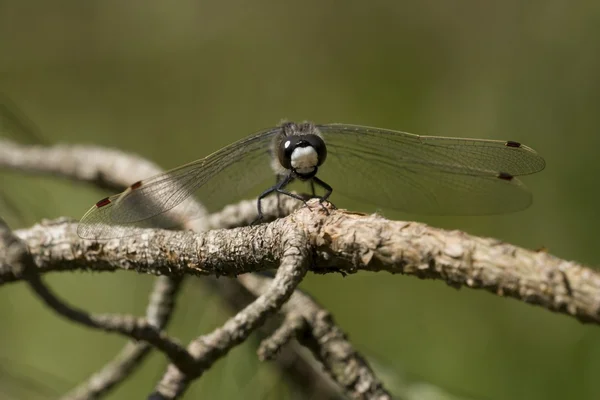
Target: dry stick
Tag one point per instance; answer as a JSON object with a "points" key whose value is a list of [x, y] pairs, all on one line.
{"points": [[159, 312], [15, 253], [225, 252], [105, 168], [346, 242], [49, 241], [295, 261], [288, 245], [161, 302], [55, 246], [314, 327], [342, 242], [291, 249], [291, 327], [350, 242], [113, 170], [293, 360]]}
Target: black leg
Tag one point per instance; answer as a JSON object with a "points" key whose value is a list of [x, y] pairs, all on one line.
{"points": [[293, 195], [278, 178], [278, 189], [328, 190]]}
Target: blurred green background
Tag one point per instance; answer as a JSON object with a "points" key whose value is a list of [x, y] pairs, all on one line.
{"points": [[176, 81]]}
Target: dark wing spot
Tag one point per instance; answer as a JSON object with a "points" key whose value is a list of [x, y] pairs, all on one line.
{"points": [[510, 143], [105, 201], [506, 176], [136, 185]]}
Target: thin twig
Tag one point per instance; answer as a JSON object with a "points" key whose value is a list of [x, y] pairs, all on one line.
{"points": [[298, 366], [114, 170], [295, 260], [158, 313], [328, 343], [341, 242], [292, 326], [16, 255]]}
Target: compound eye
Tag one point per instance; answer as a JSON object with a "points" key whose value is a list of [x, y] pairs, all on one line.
{"points": [[318, 144], [286, 148]]}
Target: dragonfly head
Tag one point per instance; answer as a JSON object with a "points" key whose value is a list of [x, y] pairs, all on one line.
{"points": [[302, 153]]}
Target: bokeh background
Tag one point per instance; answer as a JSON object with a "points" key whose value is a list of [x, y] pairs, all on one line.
{"points": [[174, 81]]}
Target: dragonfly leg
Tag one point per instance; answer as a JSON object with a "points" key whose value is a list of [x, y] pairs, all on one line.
{"points": [[293, 195], [277, 189], [328, 191], [283, 184], [278, 178]]}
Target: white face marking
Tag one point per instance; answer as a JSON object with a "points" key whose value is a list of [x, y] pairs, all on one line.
{"points": [[287, 144], [304, 159]]}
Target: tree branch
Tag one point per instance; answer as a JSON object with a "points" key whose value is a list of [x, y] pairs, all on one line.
{"points": [[158, 313], [342, 242], [14, 252], [115, 170], [338, 242], [298, 366], [314, 327], [295, 259]]}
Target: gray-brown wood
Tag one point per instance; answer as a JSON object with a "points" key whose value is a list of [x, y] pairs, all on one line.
{"points": [[335, 241], [341, 242], [114, 170]]}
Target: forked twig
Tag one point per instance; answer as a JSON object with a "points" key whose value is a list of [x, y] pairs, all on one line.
{"points": [[114, 170], [337, 241], [295, 260]]}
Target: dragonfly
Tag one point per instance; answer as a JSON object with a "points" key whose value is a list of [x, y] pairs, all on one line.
{"points": [[431, 175]]}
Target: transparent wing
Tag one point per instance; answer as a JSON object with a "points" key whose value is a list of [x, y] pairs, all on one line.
{"points": [[227, 175], [427, 174]]}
